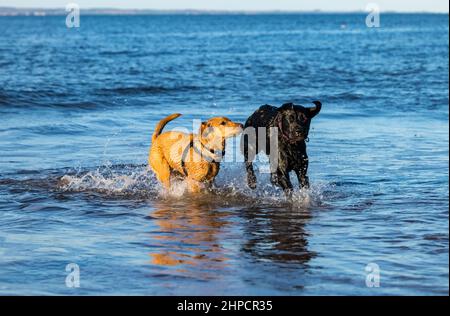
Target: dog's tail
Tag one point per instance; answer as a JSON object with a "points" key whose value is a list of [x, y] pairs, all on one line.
{"points": [[159, 127]]}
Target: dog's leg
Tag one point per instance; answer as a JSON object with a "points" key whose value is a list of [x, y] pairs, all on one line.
{"points": [[160, 166], [285, 182], [274, 178], [302, 177], [194, 186], [163, 173], [209, 185], [251, 177]]}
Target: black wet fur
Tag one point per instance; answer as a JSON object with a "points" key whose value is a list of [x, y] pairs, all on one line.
{"points": [[293, 123]]}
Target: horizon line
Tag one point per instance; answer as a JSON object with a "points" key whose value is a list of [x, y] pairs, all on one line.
{"points": [[207, 11]]}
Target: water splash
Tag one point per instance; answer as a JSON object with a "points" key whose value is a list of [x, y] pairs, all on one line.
{"points": [[136, 181], [111, 180]]}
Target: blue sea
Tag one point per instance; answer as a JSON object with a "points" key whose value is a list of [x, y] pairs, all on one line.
{"points": [[78, 107]]}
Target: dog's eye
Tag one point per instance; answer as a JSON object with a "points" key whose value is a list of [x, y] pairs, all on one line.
{"points": [[303, 118], [223, 123]]}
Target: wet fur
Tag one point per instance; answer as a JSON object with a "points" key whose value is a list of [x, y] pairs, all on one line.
{"points": [[292, 138], [167, 159]]}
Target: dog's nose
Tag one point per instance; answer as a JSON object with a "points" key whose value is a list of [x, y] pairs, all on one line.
{"points": [[241, 125]]}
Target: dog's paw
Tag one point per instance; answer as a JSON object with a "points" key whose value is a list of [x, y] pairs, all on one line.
{"points": [[251, 181]]}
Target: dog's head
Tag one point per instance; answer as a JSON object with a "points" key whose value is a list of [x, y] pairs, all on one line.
{"points": [[294, 120], [217, 129]]}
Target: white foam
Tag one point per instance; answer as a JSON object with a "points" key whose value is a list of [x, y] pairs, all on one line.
{"points": [[231, 185], [110, 181]]}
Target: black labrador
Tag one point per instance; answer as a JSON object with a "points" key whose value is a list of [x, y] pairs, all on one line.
{"points": [[289, 126]]}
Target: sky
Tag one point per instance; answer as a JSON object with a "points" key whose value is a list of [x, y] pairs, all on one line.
{"points": [[244, 5]]}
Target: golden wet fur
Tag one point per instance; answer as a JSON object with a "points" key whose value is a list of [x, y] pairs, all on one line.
{"points": [[202, 165]]}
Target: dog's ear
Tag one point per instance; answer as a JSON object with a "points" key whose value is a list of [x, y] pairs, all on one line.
{"points": [[314, 110], [204, 129], [286, 106]]}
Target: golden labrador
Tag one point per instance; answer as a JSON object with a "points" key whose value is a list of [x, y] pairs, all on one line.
{"points": [[196, 157]]}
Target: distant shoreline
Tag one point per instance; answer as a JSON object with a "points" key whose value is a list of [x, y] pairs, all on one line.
{"points": [[12, 11]]}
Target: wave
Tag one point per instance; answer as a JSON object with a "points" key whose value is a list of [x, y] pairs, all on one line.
{"points": [[44, 98], [146, 90], [30, 93], [345, 96], [64, 99]]}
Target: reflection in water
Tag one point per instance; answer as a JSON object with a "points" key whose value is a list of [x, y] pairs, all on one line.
{"points": [[193, 235], [277, 235], [189, 235]]}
